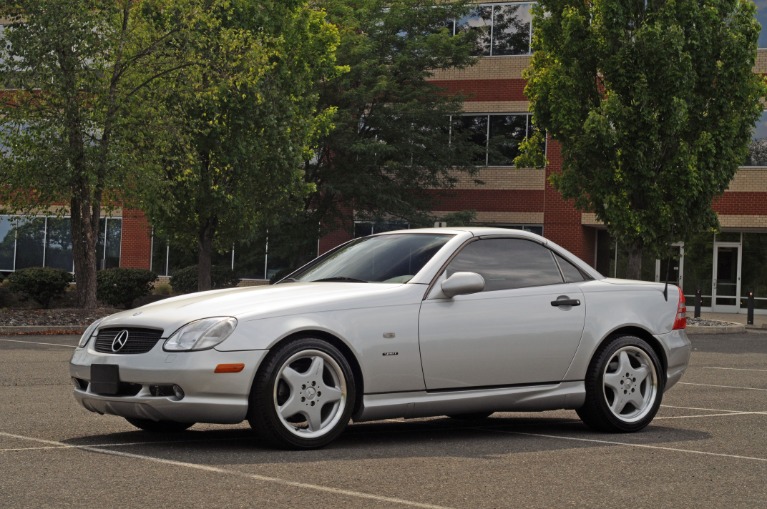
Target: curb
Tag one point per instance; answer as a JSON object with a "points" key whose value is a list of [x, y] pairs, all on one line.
{"points": [[44, 330], [725, 328]]}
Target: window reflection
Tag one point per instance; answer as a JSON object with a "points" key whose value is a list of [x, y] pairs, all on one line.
{"points": [[503, 29], [757, 152], [7, 243]]}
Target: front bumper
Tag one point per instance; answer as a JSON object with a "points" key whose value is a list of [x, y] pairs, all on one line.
{"points": [[208, 396]]}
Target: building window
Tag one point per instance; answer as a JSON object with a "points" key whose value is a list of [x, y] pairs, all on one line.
{"points": [[365, 228], [761, 17], [504, 29], [47, 242], [757, 152], [499, 135]]}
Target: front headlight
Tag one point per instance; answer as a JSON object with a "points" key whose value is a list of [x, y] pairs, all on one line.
{"points": [[89, 333], [201, 334]]}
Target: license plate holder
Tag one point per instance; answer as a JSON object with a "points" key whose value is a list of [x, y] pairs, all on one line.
{"points": [[105, 379]]}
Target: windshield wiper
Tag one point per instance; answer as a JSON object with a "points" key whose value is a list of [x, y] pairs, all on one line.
{"points": [[339, 279]]}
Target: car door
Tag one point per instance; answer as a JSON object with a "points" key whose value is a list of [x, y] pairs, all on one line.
{"points": [[523, 328]]}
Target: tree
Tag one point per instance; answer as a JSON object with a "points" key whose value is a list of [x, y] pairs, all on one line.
{"points": [[76, 69], [392, 141], [237, 124], [652, 102]]}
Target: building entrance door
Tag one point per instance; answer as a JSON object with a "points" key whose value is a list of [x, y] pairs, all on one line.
{"points": [[725, 297]]}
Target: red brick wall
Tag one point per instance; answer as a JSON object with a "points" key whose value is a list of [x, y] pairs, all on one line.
{"points": [[561, 220], [136, 244], [486, 90], [333, 239], [493, 200], [741, 203]]}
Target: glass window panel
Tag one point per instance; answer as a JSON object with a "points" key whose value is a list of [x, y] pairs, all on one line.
{"points": [[508, 263], [479, 19], [58, 244], [473, 128], [511, 29], [7, 243], [761, 16], [113, 242], [754, 269], [30, 242], [506, 133], [757, 152], [698, 265], [570, 271], [159, 256]]}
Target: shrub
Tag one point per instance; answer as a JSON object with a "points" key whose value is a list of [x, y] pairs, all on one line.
{"points": [[41, 284], [185, 280], [120, 287], [163, 289]]}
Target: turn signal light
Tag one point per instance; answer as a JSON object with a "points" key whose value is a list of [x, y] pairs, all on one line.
{"points": [[680, 321], [229, 368]]}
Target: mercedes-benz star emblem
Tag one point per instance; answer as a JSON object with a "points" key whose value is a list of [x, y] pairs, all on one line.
{"points": [[119, 341]]}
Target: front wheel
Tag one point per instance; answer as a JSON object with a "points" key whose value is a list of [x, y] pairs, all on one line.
{"points": [[160, 426], [303, 396], [624, 386]]}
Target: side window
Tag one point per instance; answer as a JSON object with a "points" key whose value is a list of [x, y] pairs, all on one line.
{"points": [[570, 271], [507, 263]]}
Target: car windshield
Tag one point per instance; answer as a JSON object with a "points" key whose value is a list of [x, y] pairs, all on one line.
{"points": [[393, 258]]}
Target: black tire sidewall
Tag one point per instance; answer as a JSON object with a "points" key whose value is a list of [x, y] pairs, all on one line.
{"points": [[596, 412], [262, 414]]}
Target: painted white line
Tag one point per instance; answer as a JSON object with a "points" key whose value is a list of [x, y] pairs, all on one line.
{"points": [[703, 409], [733, 369], [640, 446], [254, 477], [724, 386], [127, 444], [708, 415], [36, 343]]}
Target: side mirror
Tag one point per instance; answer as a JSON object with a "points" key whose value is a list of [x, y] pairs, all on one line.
{"points": [[462, 283]]}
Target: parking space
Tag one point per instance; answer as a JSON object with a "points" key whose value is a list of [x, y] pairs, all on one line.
{"points": [[707, 447]]}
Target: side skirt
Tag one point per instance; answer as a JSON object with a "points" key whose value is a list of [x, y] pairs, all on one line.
{"points": [[499, 399]]}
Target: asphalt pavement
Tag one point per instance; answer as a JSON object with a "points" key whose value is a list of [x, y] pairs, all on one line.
{"points": [[706, 448]]}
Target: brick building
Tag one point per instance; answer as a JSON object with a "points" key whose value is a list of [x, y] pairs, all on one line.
{"points": [[725, 267]]}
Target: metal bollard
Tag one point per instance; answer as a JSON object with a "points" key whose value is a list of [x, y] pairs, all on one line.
{"points": [[750, 315], [698, 297]]}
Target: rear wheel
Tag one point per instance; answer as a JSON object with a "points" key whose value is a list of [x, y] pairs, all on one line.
{"points": [[624, 386], [302, 398], [160, 426]]}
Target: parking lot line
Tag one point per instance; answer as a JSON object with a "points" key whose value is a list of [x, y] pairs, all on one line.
{"points": [[35, 343], [730, 369], [626, 444], [724, 386], [217, 470]]}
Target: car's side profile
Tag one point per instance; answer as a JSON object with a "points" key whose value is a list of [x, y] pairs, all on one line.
{"points": [[461, 322]]}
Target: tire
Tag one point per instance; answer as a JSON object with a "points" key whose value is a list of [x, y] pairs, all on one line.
{"points": [[624, 386], [160, 426], [303, 395]]}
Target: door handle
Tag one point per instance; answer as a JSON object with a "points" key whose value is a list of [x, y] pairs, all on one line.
{"points": [[565, 302]]}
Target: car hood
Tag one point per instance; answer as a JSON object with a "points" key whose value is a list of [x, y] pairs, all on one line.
{"points": [[258, 302]]}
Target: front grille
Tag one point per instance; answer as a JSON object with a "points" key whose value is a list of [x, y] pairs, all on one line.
{"points": [[138, 340]]}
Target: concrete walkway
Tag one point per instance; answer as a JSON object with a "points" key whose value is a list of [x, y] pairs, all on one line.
{"points": [[760, 321]]}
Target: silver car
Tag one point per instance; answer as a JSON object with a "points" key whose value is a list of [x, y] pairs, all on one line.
{"points": [[461, 322]]}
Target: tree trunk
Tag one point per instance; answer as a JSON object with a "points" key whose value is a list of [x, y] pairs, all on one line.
{"points": [[84, 236], [205, 255], [634, 265]]}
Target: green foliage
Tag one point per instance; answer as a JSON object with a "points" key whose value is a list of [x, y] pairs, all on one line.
{"points": [[185, 280], [653, 104], [239, 122], [79, 70], [42, 284], [120, 287], [391, 138]]}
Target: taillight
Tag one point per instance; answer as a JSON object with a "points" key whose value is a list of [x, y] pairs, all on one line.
{"points": [[680, 320]]}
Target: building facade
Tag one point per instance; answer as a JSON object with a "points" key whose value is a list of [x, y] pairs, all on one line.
{"points": [[725, 267]]}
